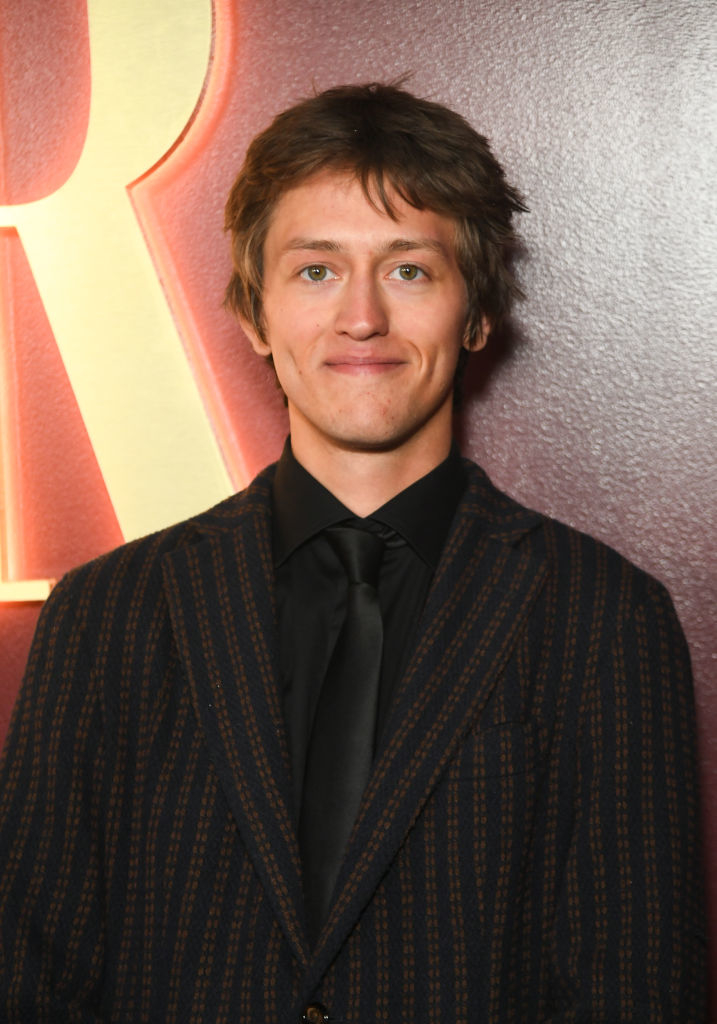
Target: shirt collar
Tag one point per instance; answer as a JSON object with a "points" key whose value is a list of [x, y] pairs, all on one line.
{"points": [[301, 506], [421, 513]]}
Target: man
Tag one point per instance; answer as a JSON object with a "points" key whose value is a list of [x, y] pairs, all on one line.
{"points": [[497, 819]]}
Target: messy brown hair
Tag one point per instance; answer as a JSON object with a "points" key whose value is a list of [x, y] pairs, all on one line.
{"points": [[390, 140]]}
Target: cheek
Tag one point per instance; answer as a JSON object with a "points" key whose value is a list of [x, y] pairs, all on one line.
{"points": [[289, 367]]}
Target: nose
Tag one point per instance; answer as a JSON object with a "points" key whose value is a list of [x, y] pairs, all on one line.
{"points": [[361, 312]]}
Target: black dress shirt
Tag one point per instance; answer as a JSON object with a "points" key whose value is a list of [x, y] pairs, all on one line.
{"points": [[311, 583]]}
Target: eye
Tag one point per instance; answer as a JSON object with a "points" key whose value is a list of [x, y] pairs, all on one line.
{"points": [[408, 272], [316, 272]]}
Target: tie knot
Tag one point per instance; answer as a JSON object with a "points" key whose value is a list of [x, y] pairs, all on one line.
{"points": [[360, 552]]}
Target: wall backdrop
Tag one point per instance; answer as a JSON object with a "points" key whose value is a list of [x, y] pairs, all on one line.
{"points": [[130, 399]]}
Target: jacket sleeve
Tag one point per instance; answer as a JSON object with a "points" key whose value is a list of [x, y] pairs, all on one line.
{"points": [[629, 934], [51, 796]]}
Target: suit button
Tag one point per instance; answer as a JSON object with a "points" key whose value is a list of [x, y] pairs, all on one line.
{"points": [[315, 1013]]}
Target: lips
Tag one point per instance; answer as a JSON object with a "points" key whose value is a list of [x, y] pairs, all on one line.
{"points": [[365, 362], [364, 366]]}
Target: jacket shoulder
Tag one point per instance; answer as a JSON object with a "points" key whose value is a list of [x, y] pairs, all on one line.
{"points": [[130, 576], [574, 556], [226, 514]]}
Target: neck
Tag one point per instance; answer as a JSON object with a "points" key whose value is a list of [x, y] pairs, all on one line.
{"points": [[364, 480]]}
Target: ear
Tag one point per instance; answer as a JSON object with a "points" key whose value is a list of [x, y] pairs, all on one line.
{"points": [[477, 341], [261, 347]]}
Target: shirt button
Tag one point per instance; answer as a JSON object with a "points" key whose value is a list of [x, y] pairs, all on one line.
{"points": [[315, 1013]]}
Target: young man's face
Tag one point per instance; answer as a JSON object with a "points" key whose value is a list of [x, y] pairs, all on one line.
{"points": [[364, 317]]}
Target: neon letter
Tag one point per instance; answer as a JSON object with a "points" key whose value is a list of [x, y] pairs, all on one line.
{"points": [[120, 346]]}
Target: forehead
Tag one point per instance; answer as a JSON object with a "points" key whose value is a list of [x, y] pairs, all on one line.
{"points": [[332, 205]]}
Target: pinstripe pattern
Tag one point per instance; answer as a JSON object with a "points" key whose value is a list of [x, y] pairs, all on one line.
{"points": [[525, 850]]}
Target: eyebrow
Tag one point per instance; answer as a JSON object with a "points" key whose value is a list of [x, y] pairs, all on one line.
{"points": [[395, 245]]}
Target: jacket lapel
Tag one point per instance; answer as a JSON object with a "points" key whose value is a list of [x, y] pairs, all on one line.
{"points": [[483, 590], [220, 592]]}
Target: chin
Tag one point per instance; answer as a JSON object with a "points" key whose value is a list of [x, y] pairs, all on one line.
{"points": [[374, 439]]}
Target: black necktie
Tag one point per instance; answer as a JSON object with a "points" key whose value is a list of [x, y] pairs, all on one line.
{"points": [[340, 750]]}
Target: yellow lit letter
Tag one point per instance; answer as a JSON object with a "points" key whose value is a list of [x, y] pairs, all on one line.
{"points": [[120, 346]]}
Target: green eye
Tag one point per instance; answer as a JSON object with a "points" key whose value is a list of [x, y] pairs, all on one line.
{"points": [[316, 272], [409, 272]]}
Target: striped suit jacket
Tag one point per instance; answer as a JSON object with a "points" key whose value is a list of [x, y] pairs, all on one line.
{"points": [[526, 849]]}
